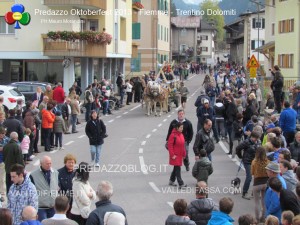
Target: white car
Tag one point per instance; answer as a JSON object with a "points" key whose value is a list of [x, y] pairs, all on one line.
{"points": [[10, 95]]}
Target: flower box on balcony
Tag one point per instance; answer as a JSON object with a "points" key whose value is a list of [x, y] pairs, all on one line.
{"points": [[137, 6], [89, 36]]}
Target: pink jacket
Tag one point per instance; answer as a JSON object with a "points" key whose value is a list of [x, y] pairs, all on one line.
{"points": [[25, 144]]}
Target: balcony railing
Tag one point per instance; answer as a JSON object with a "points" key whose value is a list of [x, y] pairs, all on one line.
{"points": [[72, 48], [100, 4]]}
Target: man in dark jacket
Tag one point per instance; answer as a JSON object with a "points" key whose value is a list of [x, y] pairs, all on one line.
{"points": [[295, 148], [200, 209], [230, 117], [12, 154], [200, 99], [277, 86], [187, 133], [104, 205], [204, 140], [246, 151], [204, 112], [203, 167], [13, 125], [288, 199], [96, 131]]}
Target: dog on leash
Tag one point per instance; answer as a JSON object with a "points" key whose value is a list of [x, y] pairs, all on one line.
{"points": [[235, 183]]}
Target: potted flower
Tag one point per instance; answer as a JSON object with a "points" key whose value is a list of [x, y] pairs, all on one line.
{"points": [[137, 5]]}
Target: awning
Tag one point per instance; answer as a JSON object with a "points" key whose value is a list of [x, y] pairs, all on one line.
{"points": [[266, 47]]}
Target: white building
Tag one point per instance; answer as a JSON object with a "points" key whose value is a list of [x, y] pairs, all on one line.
{"points": [[207, 43]]}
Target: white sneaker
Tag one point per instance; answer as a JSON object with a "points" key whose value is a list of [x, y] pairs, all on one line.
{"points": [[32, 156], [97, 164], [61, 148]]}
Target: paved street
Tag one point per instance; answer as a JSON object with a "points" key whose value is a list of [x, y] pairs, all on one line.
{"points": [[136, 140]]}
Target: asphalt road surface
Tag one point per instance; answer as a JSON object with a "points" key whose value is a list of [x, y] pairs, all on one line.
{"points": [[134, 159]]}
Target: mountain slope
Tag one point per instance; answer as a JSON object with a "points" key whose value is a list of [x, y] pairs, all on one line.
{"points": [[241, 7]]}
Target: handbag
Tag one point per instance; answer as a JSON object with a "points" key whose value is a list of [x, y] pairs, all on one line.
{"points": [[84, 211]]}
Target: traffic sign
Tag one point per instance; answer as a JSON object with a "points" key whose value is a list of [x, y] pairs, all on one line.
{"points": [[253, 72], [252, 62]]}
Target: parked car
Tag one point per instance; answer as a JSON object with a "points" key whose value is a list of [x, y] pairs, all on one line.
{"points": [[10, 96], [28, 88]]}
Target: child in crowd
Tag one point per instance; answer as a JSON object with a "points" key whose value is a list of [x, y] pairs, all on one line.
{"points": [[58, 130], [203, 167], [287, 217], [25, 144]]}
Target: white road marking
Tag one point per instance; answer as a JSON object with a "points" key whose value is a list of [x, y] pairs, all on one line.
{"points": [[226, 151], [171, 204], [154, 130], [169, 116], [36, 163], [135, 108], [82, 136], [126, 139], [172, 112], [164, 120], [143, 166], [143, 142], [52, 152], [141, 150], [70, 142], [118, 117], [155, 188], [125, 113], [159, 125], [148, 136], [110, 121]]}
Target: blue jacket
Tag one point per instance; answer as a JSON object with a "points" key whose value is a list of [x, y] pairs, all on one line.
{"points": [[272, 201], [31, 222], [220, 218], [287, 120]]}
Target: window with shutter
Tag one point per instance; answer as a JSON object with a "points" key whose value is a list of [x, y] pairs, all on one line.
{"points": [[253, 22], [252, 44], [263, 23], [136, 31]]}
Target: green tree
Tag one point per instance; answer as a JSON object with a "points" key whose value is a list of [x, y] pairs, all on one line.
{"points": [[173, 9], [217, 20]]}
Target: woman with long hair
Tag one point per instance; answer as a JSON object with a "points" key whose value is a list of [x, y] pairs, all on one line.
{"points": [[259, 173], [83, 194]]}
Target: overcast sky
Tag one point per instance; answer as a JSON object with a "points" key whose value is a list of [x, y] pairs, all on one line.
{"points": [[193, 1]]}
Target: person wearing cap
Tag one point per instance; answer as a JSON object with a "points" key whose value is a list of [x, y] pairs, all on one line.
{"points": [[3, 141], [204, 112], [287, 122], [201, 98], [246, 151], [272, 202], [295, 148], [250, 125]]}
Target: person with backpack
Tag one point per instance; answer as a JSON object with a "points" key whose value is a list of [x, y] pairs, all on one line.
{"points": [[177, 152], [246, 151]]}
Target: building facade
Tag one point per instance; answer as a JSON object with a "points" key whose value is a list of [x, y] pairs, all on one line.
{"points": [[207, 44], [29, 54], [152, 36]]}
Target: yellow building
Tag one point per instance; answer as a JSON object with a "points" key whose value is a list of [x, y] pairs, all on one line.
{"points": [[287, 38], [152, 35], [29, 54]]}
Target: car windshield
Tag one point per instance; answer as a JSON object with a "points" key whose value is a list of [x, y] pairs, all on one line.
{"points": [[15, 92]]}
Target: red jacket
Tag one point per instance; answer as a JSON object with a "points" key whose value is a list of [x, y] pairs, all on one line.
{"points": [[59, 95], [177, 148], [47, 119]]}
